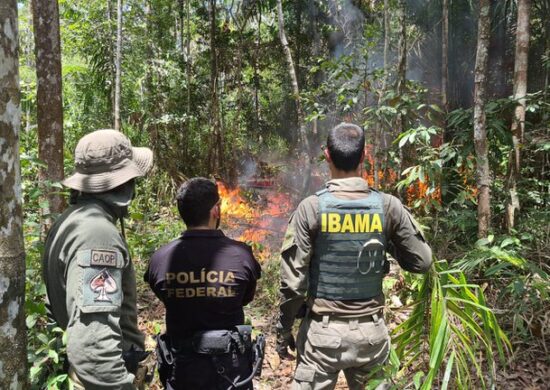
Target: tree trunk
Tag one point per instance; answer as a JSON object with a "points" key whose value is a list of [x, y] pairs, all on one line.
{"points": [[518, 124], [378, 127], [483, 174], [216, 149], [302, 135], [13, 331], [180, 30], [49, 101], [118, 60], [111, 42], [401, 82], [188, 62], [444, 55], [305, 147], [257, 113], [402, 52]]}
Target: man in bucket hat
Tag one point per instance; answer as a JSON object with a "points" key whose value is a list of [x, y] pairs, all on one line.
{"points": [[90, 278]]}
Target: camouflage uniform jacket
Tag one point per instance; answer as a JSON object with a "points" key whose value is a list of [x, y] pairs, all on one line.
{"points": [[91, 288], [406, 244]]}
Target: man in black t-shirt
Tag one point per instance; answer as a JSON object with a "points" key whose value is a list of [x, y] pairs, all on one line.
{"points": [[204, 279]]}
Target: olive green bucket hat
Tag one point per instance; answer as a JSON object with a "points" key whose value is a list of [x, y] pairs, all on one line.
{"points": [[105, 159]]}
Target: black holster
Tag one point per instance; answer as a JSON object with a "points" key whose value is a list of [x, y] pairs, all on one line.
{"points": [[133, 357], [213, 343], [165, 358]]}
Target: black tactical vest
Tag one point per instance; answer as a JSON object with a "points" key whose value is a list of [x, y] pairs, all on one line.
{"points": [[349, 254]]}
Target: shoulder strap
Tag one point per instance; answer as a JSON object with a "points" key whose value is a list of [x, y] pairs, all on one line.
{"points": [[322, 192]]}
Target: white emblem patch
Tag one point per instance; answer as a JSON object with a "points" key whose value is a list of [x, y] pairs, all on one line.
{"points": [[103, 284]]}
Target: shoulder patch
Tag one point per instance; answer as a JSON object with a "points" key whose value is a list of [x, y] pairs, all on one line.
{"points": [[100, 258], [101, 288], [103, 258]]}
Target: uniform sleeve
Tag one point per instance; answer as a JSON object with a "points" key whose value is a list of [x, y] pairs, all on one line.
{"points": [[95, 303], [254, 273], [407, 244], [296, 254], [151, 277]]}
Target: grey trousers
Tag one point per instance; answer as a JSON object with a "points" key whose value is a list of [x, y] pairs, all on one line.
{"points": [[327, 346]]}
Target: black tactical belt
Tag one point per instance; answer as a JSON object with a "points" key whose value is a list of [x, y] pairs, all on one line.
{"points": [[214, 342], [345, 320]]}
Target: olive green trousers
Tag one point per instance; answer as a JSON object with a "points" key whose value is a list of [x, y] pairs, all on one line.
{"points": [[332, 344], [77, 384]]}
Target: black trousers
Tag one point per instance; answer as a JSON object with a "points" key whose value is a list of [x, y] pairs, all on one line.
{"points": [[194, 371]]}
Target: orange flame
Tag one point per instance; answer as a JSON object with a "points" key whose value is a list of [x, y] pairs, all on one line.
{"points": [[419, 190], [388, 177], [233, 204], [263, 219]]}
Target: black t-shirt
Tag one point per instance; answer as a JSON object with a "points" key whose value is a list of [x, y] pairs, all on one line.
{"points": [[204, 279]]}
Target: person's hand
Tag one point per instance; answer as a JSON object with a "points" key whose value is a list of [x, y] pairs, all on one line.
{"points": [[285, 340]]}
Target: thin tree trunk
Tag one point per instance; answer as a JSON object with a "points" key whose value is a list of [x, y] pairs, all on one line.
{"points": [[518, 124], [13, 331], [28, 50], [483, 174], [378, 127], [112, 49], [387, 36], [118, 60], [318, 76], [258, 42], [49, 101], [302, 135], [216, 148], [180, 29], [305, 148], [444, 55], [401, 81], [188, 62], [402, 52]]}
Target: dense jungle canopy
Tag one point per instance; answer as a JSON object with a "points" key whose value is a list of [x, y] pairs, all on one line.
{"points": [[454, 98]]}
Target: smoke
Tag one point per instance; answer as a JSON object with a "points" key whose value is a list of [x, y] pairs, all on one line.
{"points": [[349, 21]]}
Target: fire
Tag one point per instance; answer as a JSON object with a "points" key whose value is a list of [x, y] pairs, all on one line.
{"points": [[263, 221], [233, 204], [419, 190], [387, 176]]}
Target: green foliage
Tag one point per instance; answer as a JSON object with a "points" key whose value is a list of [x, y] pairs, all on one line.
{"points": [[46, 342], [523, 285], [267, 296], [167, 96], [449, 329]]}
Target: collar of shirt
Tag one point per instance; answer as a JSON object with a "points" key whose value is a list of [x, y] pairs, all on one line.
{"points": [[206, 233], [349, 184]]}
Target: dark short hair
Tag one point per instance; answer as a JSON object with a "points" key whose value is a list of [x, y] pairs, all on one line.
{"points": [[346, 145], [195, 198]]}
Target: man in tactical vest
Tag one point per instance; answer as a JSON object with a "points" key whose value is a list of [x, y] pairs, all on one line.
{"points": [[333, 260], [89, 275], [204, 279]]}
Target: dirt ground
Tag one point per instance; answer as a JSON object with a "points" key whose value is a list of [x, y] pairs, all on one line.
{"points": [[276, 373], [530, 369]]}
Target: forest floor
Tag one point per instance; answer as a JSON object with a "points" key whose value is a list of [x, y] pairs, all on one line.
{"points": [[528, 368]]}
